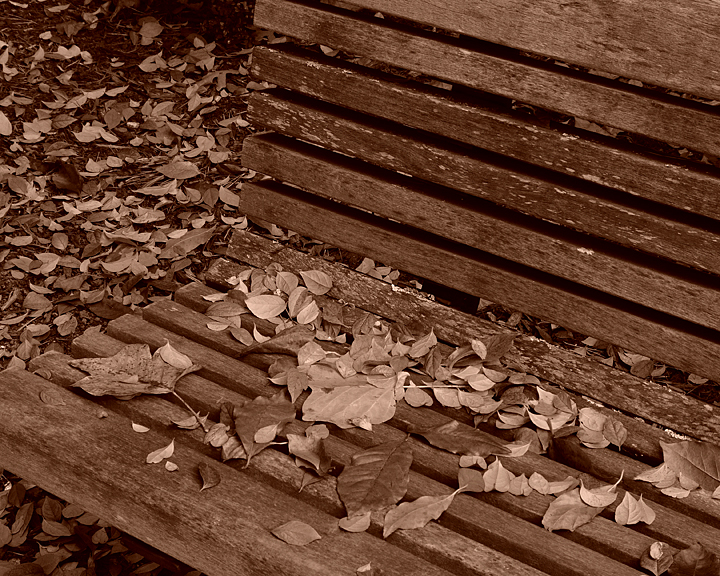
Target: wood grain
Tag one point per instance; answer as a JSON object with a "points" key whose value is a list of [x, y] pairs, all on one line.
{"points": [[569, 202], [602, 160], [100, 463], [490, 69], [657, 284], [570, 305], [663, 42]]}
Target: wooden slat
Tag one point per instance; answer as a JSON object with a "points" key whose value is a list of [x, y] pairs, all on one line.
{"points": [[586, 376], [662, 42], [605, 464], [669, 288], [504, 527], [569, 202], [76, 455], [578, 153], [474, 272], [436, 544], [490, 69]]}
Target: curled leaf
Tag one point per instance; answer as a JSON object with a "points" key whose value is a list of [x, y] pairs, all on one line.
{"points": [[209, 475], [358, 523], [157, 456], [657, 558]]}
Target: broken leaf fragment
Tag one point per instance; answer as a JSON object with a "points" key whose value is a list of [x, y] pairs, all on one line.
{"points": [[657, 558], [296, 533], [157, 456]]}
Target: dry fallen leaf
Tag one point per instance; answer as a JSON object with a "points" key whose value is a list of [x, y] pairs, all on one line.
{"points": [[458, 439], [377, 477], [695, 561], [343, 405], [209, 475], [157, 456], [568, 512], [699, 461], [417, 513], [296, 533], [317, 282], [631, 511], [657, 558], [358, 523]]}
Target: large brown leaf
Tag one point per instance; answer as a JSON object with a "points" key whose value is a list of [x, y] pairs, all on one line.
{"points": [[348, 406], [461, 440], [376, 478], [258, 422], [699, 461], [130, 372], [568, 512]]}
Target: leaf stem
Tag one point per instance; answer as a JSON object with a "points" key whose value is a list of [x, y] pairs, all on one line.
{"points": [[197, 415]]}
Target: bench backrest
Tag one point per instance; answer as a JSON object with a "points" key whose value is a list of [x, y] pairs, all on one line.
{"points": [[543, 179]]}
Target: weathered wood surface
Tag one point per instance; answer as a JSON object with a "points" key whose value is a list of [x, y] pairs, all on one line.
{"points": [[657, 284], [662, 42], [99, 463], [578, 308], [604, 464], [603, 535], [437, 544], [643, 439], [609, 466], [490, 69], [586, 376], [578, 153], [569, 202], [498, 527]]}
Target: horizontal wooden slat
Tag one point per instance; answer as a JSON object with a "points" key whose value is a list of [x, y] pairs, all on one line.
{"points": [[581, 309], [657, 284], [662, 42], [570, 202], [491, 69], [598, 159], [99, 463]]}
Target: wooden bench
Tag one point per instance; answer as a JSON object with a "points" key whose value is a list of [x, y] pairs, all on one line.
{"points": [[85, 451], [487, 187], [592, 232]]}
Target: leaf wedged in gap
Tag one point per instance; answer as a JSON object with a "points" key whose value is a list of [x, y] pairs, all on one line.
{"points": [[377, 477]]}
